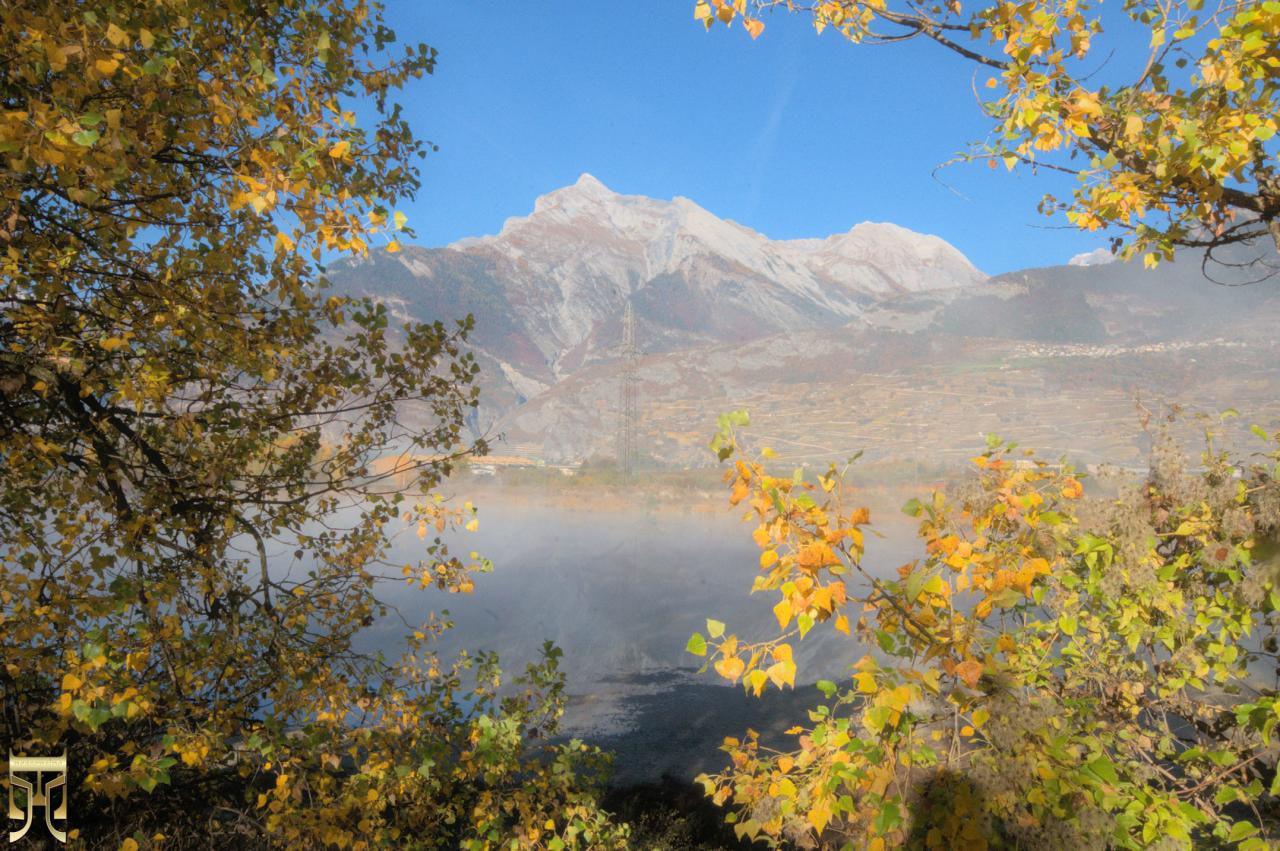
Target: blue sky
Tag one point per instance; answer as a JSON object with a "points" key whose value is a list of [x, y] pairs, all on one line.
{"points": [[793, 135]]}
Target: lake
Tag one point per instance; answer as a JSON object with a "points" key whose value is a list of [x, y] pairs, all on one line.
{"points": [[620, 591]]}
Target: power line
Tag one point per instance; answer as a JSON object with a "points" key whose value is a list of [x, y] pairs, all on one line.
{"points": [[628, 396]]}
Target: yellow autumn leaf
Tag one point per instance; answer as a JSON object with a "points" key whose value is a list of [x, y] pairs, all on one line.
{"points": [[70, 682], [783, 673], [730, 668], [819, 816], [112, 343], [106, 67], [340, 150], [782, 612]]}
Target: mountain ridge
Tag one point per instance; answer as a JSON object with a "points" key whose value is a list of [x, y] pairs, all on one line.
{"points": [[551, 286], [888, 326]]}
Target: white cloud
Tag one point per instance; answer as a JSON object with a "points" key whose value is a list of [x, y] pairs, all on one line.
{"points": [[1096, 257]]}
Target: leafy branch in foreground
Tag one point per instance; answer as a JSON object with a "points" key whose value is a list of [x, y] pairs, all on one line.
{"points": [[1167, 115], [1058, 670], [192, 527]]}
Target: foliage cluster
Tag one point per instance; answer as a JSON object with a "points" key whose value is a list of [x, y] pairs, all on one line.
{"points": [[191, 532], [1058, 670], [1166, 112]]}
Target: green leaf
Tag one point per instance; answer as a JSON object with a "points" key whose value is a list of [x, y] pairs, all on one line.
{"points": [[697, 645], [888, 818], [1068, 624], [1104, 769], [828, 688], [1241, 830], [912, 507], [85, 138], [1007, 599], [715, 628], [915, 582]]}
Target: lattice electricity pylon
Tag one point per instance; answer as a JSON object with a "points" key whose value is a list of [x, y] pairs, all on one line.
{"points": [[628, 396]]}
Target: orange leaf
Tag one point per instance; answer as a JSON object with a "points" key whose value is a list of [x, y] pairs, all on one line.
{"points": [[754, 27], [970, 671]]}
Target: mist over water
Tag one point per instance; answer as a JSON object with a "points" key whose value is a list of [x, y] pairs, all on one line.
{"points": [[620, 591]]}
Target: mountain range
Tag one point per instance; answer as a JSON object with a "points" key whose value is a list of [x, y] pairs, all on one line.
{"points": [[877, 316]]}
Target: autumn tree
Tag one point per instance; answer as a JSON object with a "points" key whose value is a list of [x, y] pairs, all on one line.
{"points": [[192, 531], [1167, 115], [1058, 669]]}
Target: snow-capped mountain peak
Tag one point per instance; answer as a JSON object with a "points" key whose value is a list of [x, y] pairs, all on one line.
{"points": [[549, 289], [584, 193]]}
